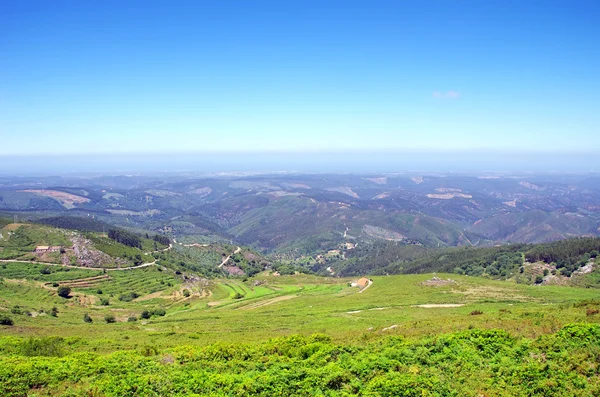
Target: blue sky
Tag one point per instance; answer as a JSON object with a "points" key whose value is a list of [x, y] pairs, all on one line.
{"points": [[201, 76]]}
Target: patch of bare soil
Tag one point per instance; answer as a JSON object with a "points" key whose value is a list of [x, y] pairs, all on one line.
{"points": [[475, 293], [448, 196], [234, 270], [151, 212], [84, 282], [436, 305], [157, 294], [67, 200], [86, 300], [12, 227], [267, 302], [438, 282], [91, 257], [382, 180], [385, 234], [196, 286]]}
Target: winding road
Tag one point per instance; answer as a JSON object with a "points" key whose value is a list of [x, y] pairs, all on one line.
{"points": [[79, 267], [238, 249], [89, 268]]}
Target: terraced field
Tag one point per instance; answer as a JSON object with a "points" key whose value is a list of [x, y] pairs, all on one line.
{"points": [[268, 306]]}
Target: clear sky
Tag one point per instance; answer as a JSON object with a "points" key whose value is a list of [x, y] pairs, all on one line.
{"points": [[187, 76]]}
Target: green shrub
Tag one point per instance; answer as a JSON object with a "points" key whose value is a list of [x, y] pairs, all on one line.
{"points": [[109, 318], [5, 320], [54, 312], [52, 346], [16, 310], [132, 319], [87, 318], [145, 314], [129, 296], [63, 291], [158, 312], [104, 302], [539, 279]]}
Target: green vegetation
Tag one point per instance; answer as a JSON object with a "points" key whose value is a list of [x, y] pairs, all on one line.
{"points": [[114, 249], [184, 326], [63, 292], [124, 237], [468, 363], [76, 223], [507, 339], [499, 262]]}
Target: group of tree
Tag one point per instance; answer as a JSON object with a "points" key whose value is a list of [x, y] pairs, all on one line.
{"points": [[499, 262], [76, 223], [124, 237], [159, 238]]}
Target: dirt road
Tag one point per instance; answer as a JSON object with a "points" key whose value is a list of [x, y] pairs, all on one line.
{"points": [[238, 249], [79, 267], [368, 285]]}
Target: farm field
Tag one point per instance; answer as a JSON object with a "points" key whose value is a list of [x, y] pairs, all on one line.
{"points": [[266, 306]]}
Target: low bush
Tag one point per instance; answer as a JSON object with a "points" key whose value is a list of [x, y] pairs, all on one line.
{"points": [[63, 291], [468, 363]]}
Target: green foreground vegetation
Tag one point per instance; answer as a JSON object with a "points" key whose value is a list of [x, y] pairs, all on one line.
{"points": [[469, 363], [257, 336]]}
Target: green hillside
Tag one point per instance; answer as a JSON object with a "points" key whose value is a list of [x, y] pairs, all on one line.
{"points": [[390, 338]]}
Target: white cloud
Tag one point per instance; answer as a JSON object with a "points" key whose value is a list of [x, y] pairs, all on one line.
{"points": [[446, 95]]}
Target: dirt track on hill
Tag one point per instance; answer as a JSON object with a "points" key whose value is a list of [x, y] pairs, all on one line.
{"points": [[266, 302], [89, 268], [238, 249], [79, 267]]}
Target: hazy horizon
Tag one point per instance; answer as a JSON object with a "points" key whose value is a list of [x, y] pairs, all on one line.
{"points": [[335, 162]]}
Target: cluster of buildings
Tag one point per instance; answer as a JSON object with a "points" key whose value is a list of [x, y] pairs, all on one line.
{"points": [[42, 249]]}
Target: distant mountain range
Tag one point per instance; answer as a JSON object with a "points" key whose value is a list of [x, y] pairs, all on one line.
{"points": [[293, 215]]}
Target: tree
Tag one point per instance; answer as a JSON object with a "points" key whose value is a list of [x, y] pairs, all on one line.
{"points": [[125, 237], [87, 318], [109, 318], [145, 314], [54, 312], [5, 320], [64, 292], [539, 279]]}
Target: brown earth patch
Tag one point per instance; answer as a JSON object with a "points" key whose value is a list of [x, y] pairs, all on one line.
{"points": [[267, 302], [475, 293], [67, 200], [438, 282]]}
